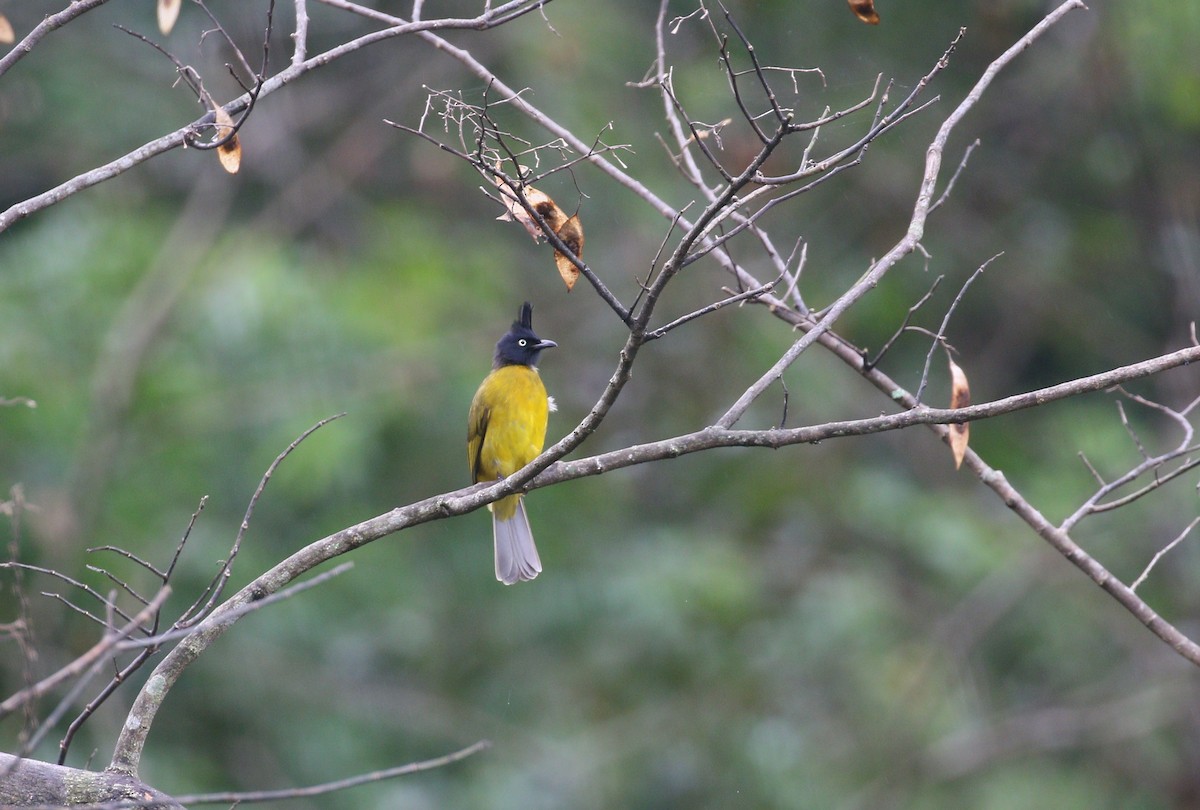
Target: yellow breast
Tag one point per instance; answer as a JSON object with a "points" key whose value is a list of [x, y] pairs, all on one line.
{"points": [[507, 424]]}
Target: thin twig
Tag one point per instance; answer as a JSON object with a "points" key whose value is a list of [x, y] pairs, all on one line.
{"points": [[89, 590], [1133, 436], [340, 784], [1154, 560], [1149, 463], [793, 290], [1091, 468], [1157, 483], [129, 555], [193, 614], [89, 658], [21, 629], [962, 164], [869, 364], [782, 116], [120, 583], [940, 337], [642, 287], [250, 607], [732, 299]]}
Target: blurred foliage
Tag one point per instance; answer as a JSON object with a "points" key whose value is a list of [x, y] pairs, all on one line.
{"points": [[846, 625]]}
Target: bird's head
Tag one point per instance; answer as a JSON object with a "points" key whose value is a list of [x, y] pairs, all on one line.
{"points": [[520, 346]]}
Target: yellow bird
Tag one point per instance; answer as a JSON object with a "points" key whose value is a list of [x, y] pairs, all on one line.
{"points": [[506, 430]]}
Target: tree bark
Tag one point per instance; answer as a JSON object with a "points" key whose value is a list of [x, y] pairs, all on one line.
{"points": [[29, 783]]}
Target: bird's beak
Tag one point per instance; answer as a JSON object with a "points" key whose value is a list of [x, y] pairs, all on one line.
{"points": [[545, 344]]}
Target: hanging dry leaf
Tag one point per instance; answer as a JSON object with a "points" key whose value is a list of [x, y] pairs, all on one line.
{"points": [[865, 11], [7, 35], [571, 232], [539, 201], [230, 152], [168, 13], [960, 397], [568, 229]]}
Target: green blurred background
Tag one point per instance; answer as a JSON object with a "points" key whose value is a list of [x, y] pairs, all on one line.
{"points": [[849, 625]]}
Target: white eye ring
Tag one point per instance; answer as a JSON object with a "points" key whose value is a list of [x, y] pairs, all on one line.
{"points": [[522, 342]]}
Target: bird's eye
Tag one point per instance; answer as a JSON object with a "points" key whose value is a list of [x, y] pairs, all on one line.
{"points": [[522, 342]]}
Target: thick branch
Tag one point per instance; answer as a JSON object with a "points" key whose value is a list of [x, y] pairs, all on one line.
{"points": [[51, 23], [29, 783], [1064, 545], [718, 436], [294, 71], [141, 715]]}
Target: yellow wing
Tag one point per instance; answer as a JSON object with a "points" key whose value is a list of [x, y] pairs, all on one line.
{"points": [[477, 424]]}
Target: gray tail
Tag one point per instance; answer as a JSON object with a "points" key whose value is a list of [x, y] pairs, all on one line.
{"points": [[516, 556]]}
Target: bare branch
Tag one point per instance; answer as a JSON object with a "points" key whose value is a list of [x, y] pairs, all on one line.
{"points": [[173, 140], [53, 22], [340, 784], [300, 35], [916, 225], [1150, 463], [962, 164], [21, 629], [733, 298], [145, 706], [1159, 481], [940, 337], [74, 583], [129, 555], [904, 324], [1158, 556], [34, 785], [133, 734], [176, 634], [89, 658], [196, 611]]}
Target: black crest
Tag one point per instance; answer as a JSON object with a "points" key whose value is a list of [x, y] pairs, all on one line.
{"points": [[520, 346], [524, 317]]}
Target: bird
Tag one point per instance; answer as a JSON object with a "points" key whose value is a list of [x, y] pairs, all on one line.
{"points": [[506, 429]]}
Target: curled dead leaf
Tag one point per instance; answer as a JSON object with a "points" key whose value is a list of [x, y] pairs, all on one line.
{"points": [[230, 152], [571, 233], [549, 211], [515, 212], [168, 13], [568, 229], [7, 35], [865, 11], [960, 397]]}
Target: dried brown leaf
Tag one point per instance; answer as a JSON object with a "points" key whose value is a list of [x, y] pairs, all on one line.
{"points": [[571, 233], [539, 201], [568, 229], [568, 271], [7, 35], [230, 152], [168, 13], [549, 211], [865, 11], [960, 397]]}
